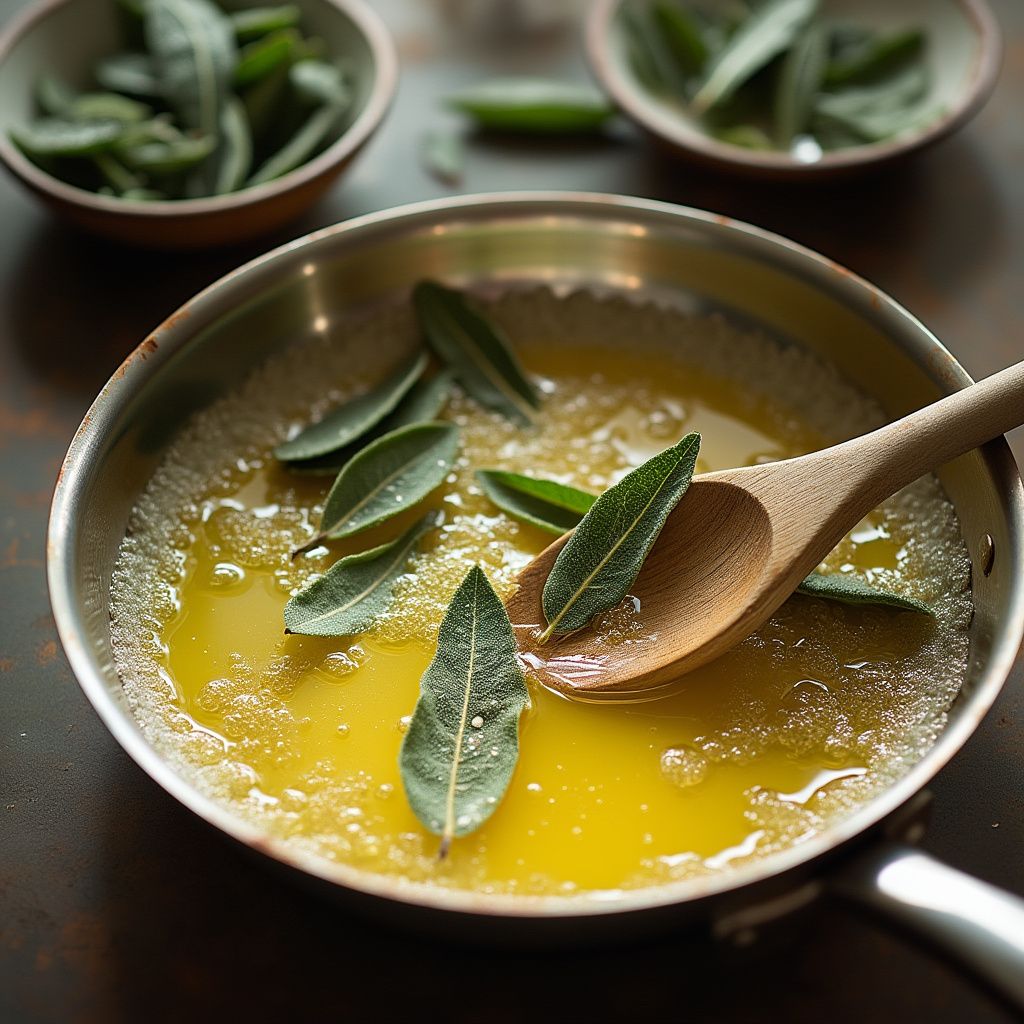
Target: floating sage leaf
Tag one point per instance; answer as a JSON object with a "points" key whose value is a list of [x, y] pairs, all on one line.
{"points": [[443, 156], [351, 420], [257, 59], [598, 564], [533, 105], [424, 401], [356, 590], [55, 137], [133, 73], [874, 56], [395, 472], [799, 82], [767, 32], [554, 507], [852, 590], [260, 21], [193, 47], [234, 152], [461, 749], [479, 354]]}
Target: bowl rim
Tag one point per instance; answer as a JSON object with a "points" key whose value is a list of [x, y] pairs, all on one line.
{"points": [[630, 98], [384, 62], [176, 332]]}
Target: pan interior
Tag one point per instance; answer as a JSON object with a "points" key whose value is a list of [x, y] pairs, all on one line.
{"points": [[807, 720]]}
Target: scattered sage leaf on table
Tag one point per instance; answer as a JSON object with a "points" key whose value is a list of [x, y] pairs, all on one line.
{"points": [[836, 586], [193, 45], [395, 472], [355, 417], [51, 136], [424, 401], [356, 590], [769, 30], [234, 153], [443, 156], [554, 507], [133, 73], [254, 22], [799, 82], [476, 350], [598, 564], [533, 105], [461, 749]]}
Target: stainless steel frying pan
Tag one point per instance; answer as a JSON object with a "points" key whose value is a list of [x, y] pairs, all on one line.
{"points": [[610, 243]]}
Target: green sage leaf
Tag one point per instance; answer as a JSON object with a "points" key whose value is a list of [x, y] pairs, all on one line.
{"points": [[107, 106], [354, 418], [116, 175], [50, 136], [132, 73], [598, 564], [356, 590], [767, 32], [424, 401], [234, 153], [167, 157], [257, 59], [318, 81], [477, 351], [682, 35], [260, 21], [145, 195], [875, 57], [556, 508], [799, 82], [194, 53], [54, 96], [836, 586], [395, 472], [461, 749], [533, 105], [876, 112], [443, 156], [304, 144], [749, 136]]}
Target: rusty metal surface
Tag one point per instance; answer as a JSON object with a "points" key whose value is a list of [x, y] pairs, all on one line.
{"points": [[117, 905]]}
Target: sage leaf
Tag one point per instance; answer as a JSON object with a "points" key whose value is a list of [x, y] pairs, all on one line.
{"points": [[355, 417], [116, 175], [443, 156], [878, 111], [649, 52], [682, 35], [50, 136], [303, 144], [167, 157], [53, 95], [836, 586], [108, 106], [144, 195], [749, 136], [533, 105], [799, 82], [424, 401], [598, 564], [874, 57], [356, 590], [554, 507], [234, 153], [132, 73], [460, 752], [260, 21], [394, 473], [317, 81], [257, 59], [194, 52], [476, 350], [770, 30]]}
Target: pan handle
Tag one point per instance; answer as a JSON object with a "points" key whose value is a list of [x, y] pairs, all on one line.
{"points": [[979, 926]]}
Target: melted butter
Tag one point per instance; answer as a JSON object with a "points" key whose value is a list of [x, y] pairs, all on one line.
{"points": [[801, 722]]}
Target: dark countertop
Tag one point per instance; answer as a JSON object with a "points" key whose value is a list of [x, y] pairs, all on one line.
{"points": [[118, 905]]}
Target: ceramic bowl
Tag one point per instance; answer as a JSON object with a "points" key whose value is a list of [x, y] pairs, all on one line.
{"points": [[964, 54], [69, 36]]}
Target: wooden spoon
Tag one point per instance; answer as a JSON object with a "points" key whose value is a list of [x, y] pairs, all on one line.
{"points": [[741, 541]]}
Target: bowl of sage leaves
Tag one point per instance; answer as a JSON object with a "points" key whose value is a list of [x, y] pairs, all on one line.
{"points": [[795, 88], [182, 124]]}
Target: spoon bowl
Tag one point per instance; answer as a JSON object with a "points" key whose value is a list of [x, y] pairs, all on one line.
{"points": [[740, 542]]}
